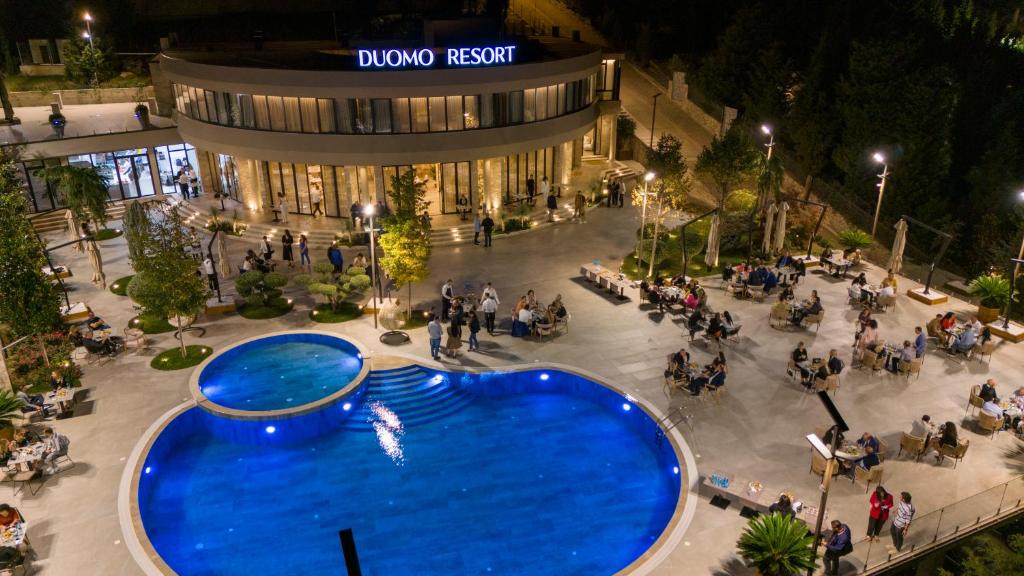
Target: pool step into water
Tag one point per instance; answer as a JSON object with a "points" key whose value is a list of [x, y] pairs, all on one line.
{"points": [[415, 395]]}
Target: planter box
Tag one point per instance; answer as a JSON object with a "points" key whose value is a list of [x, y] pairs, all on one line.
{"points": [[932, 298]]}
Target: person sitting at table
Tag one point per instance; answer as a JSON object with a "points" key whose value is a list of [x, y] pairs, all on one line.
{"points": [[984, 336], [811, 309], [835, 363], [869, 337], [94, 322], [923, 428], [677, 365], [785, 260], [988, 391], [887, 291], [709, 379], [996, 411], [691, 301], [868, 441], [948, 322], [905, 355], [34, 403], [870, 459], [799, 358], [58, 381], [947, 437], [9, 516], [934, 327], [827, 438], [695, 323], [54, 446], [731, 325], [963, 343], [727, 274], [860, 280], [890, 280], [783, 507], [756, 278], [799, 269], [715, 329], [654, 297], [770, 281], [855, 293]]}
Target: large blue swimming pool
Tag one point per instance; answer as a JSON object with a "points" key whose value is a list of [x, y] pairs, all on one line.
{"points": [[280, 372], [535, 472]]}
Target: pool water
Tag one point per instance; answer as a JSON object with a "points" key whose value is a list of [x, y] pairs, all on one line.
{"points": [[280, 372], [437, 474]]}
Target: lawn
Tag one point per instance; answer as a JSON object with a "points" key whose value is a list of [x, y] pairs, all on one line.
{"points": [[20, 83], [274, 307], [151, 324], [325, 315], [120, 286], [107, 234], [173, 360]]}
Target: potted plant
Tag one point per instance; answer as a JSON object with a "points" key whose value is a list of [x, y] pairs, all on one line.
{"points": [[57, 122], [776, 545], [993, 292], [854, 238], [142, 115]]}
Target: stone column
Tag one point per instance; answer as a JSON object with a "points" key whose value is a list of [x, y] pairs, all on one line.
{"points": [[378, 184], [154, 173], [163, 92], [207, 174], [249, 183]]}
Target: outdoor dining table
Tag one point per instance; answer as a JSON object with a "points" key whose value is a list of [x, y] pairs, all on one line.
{"points": [[871, 292], [850, 452], [62, 398], [25, 458], [838, 267], [12, 536], [756, 496], [52, 273]]}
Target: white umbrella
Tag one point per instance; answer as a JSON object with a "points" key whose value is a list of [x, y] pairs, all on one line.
{"points": [[769, 222], [222, 256], [74, 230], [779, 241], [711, 254], [98, 278], [898, 244]]}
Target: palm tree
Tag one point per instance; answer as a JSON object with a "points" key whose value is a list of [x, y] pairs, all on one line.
{"points": [[83, 190], [10, 406], [777, 545]]}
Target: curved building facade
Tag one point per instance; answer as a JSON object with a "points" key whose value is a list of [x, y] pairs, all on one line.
{"points": [[269, 128]]}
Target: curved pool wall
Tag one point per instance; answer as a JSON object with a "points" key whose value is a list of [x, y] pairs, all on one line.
{"points": [[222, 386], [185, 420]]}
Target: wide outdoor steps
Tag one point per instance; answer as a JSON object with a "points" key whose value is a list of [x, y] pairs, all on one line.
{"points": [[414, 395], [56, 220]]}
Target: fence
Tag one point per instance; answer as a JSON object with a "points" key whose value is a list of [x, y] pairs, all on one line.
{"points": [[938, 528]]}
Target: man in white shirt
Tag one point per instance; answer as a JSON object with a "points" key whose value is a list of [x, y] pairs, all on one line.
{"points": [[887, 291], [434, 331], [447, 293], [315, 197], [994, 410], [489, 291], [490, 308]]}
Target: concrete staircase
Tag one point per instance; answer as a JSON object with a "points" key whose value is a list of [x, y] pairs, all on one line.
{"points": [[55, 220], [406, 397]]}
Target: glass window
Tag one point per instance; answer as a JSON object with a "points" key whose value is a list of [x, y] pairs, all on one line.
{"points": [[437, 120], [529, 105], [570, 97], [259, 104], [542, 103], [194, 102], [515, 107], [382, 115], [343, 117], [419, 114], [302, 186], [292, 115], [471, 111], [310, 123], [455, 119], [275, 180], [400, 116], [364, 116], [552, 104], [211, 106], [487, 119], [561, 99], [223, 114], [276, 106], [326, 109], [243, 115], [288, 182], [328, 187]]}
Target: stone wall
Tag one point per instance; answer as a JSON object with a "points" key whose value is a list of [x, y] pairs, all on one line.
{"points": [[679, 92], [87, 96]]}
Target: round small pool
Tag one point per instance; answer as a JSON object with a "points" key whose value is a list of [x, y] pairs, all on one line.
{"points": [[436, 473], [280, 372]]}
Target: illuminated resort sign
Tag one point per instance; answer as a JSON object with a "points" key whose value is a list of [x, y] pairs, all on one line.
{"points": [[426, 58]]}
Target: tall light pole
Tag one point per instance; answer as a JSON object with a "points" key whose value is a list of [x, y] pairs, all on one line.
{"points": [[881, 189], [767, 130], [654, 116], [88, 29], [368, 211], [643, 219]]}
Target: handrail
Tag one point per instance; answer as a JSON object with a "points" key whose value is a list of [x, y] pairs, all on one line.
{"points": [[942, 526], [663, 429]]}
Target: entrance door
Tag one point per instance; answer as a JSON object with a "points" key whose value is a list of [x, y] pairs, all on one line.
{"points": [[454, 186]]}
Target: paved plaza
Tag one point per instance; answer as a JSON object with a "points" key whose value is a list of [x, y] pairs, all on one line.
{"points": [[757, 430]]}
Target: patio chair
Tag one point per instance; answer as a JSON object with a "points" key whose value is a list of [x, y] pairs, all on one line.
{"points": [[869, 360], [563, 321], [712, 393], [543, 330], [734, 334], [778, 317], [818, 465], [830, 384], [814, 319], [974, 400], [982, 350], [912, 444], [756, 293], [868, 476], [957, 452], [912, 367], [885, 302], [883, 450], [989, 423]]}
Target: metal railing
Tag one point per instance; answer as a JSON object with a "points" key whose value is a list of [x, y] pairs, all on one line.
{"points": [[941, 527]]}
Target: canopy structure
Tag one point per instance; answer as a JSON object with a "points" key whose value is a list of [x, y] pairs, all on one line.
{"points": [[779, 238], [899, 244], [714, 234], [223, 261], [769, 223], [96, 261]]}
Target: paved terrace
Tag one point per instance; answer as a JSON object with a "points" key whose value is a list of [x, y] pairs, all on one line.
{"points": [[757, 430], [83, 120]]}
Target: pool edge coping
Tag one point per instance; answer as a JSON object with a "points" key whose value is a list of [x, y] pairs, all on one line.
{"points": [[204, 402], [152, 564]]}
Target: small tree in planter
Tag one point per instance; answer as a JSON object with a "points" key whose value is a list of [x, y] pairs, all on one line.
{"points": [[777, 545], [83, 190], [259, 285], [993, 292], [322, 283], [854, 238]]}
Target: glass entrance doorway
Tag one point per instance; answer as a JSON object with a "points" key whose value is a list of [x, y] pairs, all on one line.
{"points": [[228, 175]]}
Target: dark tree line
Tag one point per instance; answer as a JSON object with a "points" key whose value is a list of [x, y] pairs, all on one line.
{"points": [[934, 84]]}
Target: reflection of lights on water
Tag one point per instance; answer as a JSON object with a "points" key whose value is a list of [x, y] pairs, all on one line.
{"points": [[627, 407], [388, 442], [544, 376], [270, 429], [675, 469], [389, 430], [437, 379], [346, 406], [148, 469], [385, 415]]}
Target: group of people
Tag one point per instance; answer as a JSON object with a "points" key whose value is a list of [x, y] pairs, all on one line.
{"points": [[679, 289], [530, 317], [48, 446], [681, 372], [993, 406], [616, 193], [958, 338], [96, 336], [811, 372], [187, 181], [859, 292]]}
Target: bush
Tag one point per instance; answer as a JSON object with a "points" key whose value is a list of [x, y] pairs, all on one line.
{"points": [[516, 224], [27, 366], [740, 201], [777, 545], [326, 314], [274, 306], [258, 285], [625, 127], [854, 238], [992, 289], [106, 234]]}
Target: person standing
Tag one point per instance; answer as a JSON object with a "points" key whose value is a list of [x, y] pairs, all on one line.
{"points": [[454, 340], [265, 250], [622, 193], [881, 503], [490, 308], [447, 293], [315, 198], [183, 182], [193, 181], [531, 187], [283, 207], [286, 248], [901, 521], [476, 229], [211, 273], [434, 332], [474, 327], [582, 202], [489, 291], [552, 206], [335, 257], [488, 226], [545, 186], [304, 252], [356, 213], [837, 546]]}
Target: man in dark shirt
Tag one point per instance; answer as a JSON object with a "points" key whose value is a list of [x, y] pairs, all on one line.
{"points": [[488, 226], [988, 391], [837, 546]]}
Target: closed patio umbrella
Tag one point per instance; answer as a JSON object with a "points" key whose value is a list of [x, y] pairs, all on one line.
{"points": [[98, 278], [898, 246], [74, 230], [779, 239], [769, 222], [711, 255], [222, 256]]}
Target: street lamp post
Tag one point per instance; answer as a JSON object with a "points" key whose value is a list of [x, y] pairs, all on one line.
{"points": [[643, 220], [88, 29], [829, 454], [771, 140], [881, 189], [654, 116], [368, 211]]}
